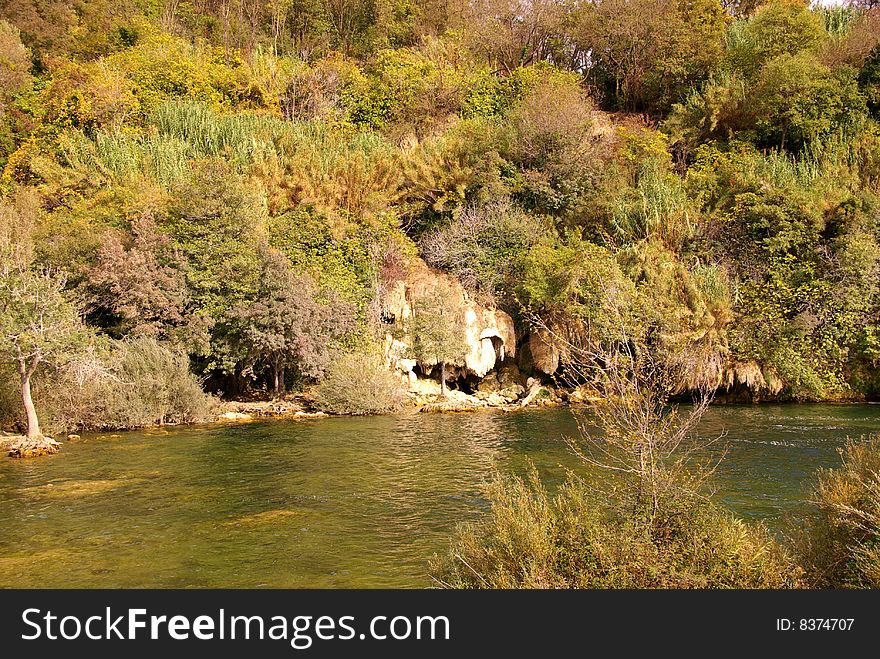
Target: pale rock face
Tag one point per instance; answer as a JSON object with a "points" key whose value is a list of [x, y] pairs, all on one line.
{"points": [[545, 356], [489, 332]]}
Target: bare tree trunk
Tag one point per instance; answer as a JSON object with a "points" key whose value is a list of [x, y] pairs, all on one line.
{"points": [[443, 379], [278, 372], [33, 423]]}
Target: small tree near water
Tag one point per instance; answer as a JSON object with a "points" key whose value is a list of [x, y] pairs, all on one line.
{"points": [[37, 326], [436, 336], [644, 437]]}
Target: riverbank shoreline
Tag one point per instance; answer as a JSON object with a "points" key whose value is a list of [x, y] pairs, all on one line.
{"points": [[423, 399], [302, 407]]}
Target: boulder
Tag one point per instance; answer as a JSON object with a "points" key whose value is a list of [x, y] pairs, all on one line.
{"points": [[539, 394], [496, 400], [489, 384], [545, 356], [26, 447], [511, 394], [583, 394], [234, 416], [509, 376]]}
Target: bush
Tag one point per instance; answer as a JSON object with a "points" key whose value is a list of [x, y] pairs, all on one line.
{"points": [[839, 546], [130, 384], [777, 28], [578, 282], [481, 246], [162, 66], [573, 540], [359, 383]]}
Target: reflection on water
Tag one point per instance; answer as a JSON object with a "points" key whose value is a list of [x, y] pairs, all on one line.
{"points": [[337, 502]]}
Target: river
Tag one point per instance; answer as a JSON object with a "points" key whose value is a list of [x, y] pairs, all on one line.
{"points": [[341, 502]]}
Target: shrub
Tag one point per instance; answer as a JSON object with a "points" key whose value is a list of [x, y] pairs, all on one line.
{"points": [[359, 383], [481, 245], [125, 384], [777, 28], [839, 546], [800, 100], [162, 66], [90, 97], [442, 175], [578, 281], [573, 540], [15, 61]]}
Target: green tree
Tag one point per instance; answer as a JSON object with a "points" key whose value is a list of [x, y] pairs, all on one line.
{"points": [[216, 222], [646, 53], [512, 33], [37, 326], [799, 100], [436, 333], [780, 27], [285, 325]]}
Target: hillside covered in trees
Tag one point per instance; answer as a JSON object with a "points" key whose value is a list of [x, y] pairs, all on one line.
{"points": [[216, 194]]}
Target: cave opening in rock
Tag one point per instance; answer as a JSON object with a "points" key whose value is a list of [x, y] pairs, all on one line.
{"points": [[456, 378]]}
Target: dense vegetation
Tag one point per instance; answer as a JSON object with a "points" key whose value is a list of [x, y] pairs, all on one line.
{"points": [[573, 540], [582, 537], [229, 185], [839, 543]]}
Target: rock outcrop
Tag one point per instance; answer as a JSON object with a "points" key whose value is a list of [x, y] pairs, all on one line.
{"points": [[26, 447], [545, 355], [489, 333]]}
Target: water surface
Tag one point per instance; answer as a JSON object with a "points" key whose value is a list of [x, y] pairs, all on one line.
{"points": [[344, 502]]}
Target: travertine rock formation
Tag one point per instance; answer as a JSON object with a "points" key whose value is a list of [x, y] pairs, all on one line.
{"points": [[489, 333]]}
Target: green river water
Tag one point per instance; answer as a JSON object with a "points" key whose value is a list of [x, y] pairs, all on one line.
{"points": [[342, 502]]}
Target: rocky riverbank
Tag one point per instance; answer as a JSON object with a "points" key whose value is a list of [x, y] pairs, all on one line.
{"points": [[19, 446], [298, 407], [424, 396], [503, 390]]}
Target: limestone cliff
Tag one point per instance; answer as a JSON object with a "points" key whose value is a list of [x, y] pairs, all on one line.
{"points": [[489, 333]]}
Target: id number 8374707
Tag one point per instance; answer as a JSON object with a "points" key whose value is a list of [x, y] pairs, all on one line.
{"points": [[814, 624]]}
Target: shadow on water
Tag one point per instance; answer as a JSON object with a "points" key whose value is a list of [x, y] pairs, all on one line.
{"points": [[346, 502]]}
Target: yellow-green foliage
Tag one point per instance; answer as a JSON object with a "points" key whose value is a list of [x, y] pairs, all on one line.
{"points": [[787, 223], [580, 280], [655, 208], [839, 545], [359, 383], [163, 67], [342, 263], [89, 96], [441, 175], [532, 539], [690, 307], [780, 27], [742, 230]]}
